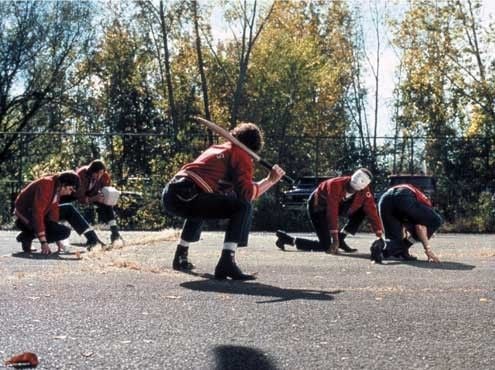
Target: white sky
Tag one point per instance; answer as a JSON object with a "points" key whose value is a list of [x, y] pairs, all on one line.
{"points": [[388, 59], [388, 64]]}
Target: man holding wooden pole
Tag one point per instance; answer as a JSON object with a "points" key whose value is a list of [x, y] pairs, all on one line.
{"points": [[219, 185]]}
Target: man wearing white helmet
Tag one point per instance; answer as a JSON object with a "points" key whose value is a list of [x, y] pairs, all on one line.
{"points": [[348, 196]]}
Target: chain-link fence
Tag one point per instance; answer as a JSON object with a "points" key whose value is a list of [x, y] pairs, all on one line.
{"points": [[142, 163]]}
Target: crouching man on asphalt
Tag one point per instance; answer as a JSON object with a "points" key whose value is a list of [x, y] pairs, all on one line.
{"points": [[38, 212], [348, 196], [219, 185], [94, 180], [408, 216]]}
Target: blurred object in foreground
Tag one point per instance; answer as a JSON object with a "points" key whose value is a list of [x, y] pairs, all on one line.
{"points": [[26, 359]]}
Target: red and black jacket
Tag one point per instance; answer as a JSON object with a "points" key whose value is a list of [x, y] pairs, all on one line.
{"points": [[37, 202], [221, 165], [86, 188], [420, 196], [331, 193]]}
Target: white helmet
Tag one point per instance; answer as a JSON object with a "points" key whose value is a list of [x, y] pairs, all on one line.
{"points": [[360, 179]]}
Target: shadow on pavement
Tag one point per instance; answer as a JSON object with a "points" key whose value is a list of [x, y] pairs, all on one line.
{"points": [[68, 256], [240, 357], [394, 261], [257, 289], [434, 266]]}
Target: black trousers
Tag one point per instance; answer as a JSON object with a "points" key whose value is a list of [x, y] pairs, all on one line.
{"points": [[105, 212], [53, 230], [70, 214], [318, 217], [400, 209], [181, 197]]}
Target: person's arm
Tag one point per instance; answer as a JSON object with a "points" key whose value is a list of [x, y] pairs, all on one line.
{"points": [[98, 198], [41, 202], [333, 203], [421, 231], [371, 212], [276, 173]]}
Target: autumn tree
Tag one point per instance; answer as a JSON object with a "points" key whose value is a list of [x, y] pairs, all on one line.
{"points": [[40, 43]]}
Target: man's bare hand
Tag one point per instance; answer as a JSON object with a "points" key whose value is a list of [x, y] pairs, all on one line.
{"points": [[334, 248], [431, 256], [276, 173], [45, 249], [98, 198]]}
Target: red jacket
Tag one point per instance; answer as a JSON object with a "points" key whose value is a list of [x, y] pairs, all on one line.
{"points": [[420, 196], [86, 189], [220, 166], [332, 193], [36, 202]]}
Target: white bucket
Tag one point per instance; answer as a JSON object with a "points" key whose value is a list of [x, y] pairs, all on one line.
{"points": [[111, 195]]}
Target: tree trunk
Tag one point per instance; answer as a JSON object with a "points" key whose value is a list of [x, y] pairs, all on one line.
{"points": [[204, 85], [168, 74]]}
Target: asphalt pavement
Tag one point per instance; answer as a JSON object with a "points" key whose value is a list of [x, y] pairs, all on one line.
{"points": [[127, 309]]}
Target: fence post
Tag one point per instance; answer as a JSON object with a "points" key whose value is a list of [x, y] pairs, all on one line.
{"points": [[317, 156], [411, 160]]}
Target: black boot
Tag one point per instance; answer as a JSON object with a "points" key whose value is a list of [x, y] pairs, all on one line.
{"points": [[25, 241], [181, 263], [283, 238], [343, 245], [92, 240], [376, 250], [115, 234], [227, 267], [405, 255]]}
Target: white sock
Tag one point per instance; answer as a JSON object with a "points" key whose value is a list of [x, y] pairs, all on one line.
{"points": [[230, 246], [112, 223], [87, 230], [184, 243]]}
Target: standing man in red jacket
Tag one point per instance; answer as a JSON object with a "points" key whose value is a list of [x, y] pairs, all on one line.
{"points": [[38, 212], [219, 185], [94, 177], [349, 196], [408, 216]]}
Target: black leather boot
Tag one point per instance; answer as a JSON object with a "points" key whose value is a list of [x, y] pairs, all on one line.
{"points": [[227, 267], [92, 240], [25, 241], [377, 249], [115, 235], [283, 238], [343, 245], [181, 262]]}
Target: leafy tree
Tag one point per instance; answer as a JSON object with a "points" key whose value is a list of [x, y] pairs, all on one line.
{"points": [[40, 42]]}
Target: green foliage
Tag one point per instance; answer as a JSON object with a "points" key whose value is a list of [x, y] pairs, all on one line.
{"points": [[104, 93], [269, 215], [477, 217]]}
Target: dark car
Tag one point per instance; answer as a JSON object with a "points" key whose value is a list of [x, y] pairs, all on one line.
{"points": [[295, 198]]}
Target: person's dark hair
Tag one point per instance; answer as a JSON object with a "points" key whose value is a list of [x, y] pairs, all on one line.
{"points": [[96, 165], [368, 172], [68, 178], [250, 135]]}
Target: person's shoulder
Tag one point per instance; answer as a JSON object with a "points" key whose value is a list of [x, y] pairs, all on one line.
{"points": [[46, 182], [237, 151], [82, 170], [338, 180]]}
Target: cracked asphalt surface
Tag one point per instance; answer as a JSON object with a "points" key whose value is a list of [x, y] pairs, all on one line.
{"points": [[127, 309]]}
